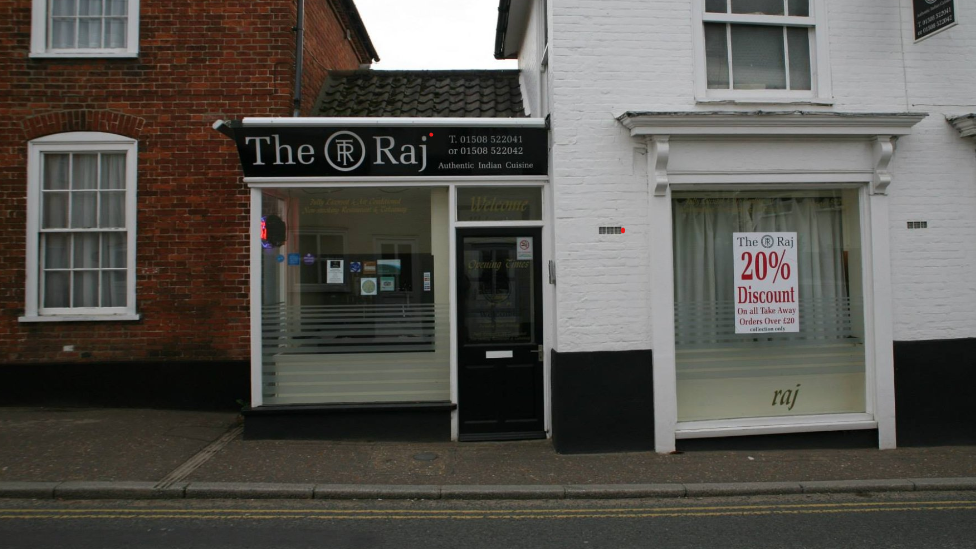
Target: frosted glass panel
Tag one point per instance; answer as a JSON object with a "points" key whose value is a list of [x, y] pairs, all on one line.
{"points": [[758, 58]]}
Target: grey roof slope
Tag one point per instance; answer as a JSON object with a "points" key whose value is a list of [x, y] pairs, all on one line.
{"points": [[438, 94]]}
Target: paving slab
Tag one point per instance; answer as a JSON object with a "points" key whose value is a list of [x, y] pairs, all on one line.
{"points": [[49, 444], [376, 491]]}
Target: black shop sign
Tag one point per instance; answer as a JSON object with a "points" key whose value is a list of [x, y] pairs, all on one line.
{"points": [[932, 16], [402, 151]]}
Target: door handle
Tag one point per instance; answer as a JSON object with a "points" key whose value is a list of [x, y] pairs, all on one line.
{"points": [[540, 353]]}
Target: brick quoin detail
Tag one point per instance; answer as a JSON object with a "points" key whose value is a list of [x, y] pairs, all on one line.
{"points": [[83, 121]]}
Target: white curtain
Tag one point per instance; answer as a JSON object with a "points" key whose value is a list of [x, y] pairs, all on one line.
{"points": [[84, 269]]}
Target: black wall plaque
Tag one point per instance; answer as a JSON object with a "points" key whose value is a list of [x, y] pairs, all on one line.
{"points": [[931, 16], [403, 151]]}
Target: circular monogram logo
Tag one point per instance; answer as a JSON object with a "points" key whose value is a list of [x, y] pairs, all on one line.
{"points": [[345, 151]]}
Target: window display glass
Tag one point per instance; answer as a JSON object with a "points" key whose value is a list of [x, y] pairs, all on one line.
{"points": [[769, 317], [355, 295]]}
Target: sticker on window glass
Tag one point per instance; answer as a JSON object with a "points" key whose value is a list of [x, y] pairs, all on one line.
{"points": [[355, 267], [334, 273], [280, 258], [766, 298], [309, 259], [367, 286], [369, 267], [294, 259], [387, 283], [524, 248]]}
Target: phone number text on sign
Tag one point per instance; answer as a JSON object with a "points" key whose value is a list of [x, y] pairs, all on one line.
{"points": [[766, 297]]}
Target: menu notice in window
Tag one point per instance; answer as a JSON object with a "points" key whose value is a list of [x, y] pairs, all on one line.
{"points": [[766, 298]]}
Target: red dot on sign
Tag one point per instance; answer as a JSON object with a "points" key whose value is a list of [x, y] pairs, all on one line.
{"points": [[622, 230], [432, 134]]}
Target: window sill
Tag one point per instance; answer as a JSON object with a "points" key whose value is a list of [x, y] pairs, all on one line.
{"points": [[85, 55], [765, 101], [79, 318]]}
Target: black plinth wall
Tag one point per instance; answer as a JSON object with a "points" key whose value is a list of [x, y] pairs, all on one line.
{"points": [[602, 402]]}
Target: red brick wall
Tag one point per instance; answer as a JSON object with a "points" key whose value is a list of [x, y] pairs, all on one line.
{"points": [[198, 62], [326, 49]]}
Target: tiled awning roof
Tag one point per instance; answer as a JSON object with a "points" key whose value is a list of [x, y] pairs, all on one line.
{"points": [[437, 94]]}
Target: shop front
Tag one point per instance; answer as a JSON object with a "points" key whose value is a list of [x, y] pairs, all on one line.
{"points": [[396, 277], [771, 304]]}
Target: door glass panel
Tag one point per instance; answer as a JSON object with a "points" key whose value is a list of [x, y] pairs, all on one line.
{"points": [[497, 290]]}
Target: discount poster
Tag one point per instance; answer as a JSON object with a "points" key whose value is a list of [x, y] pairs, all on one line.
{"points": [[766, 297]]}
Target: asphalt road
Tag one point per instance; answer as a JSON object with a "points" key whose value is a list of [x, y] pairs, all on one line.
{"points": [[943, 520]]}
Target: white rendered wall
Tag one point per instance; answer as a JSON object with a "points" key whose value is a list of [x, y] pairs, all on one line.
{"points": [[611, 56]]}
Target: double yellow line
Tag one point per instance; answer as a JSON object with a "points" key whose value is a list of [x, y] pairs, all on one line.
{"points": [[483, 514]]}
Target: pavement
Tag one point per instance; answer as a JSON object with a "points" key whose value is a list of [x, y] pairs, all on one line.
{"points": [[83, 453]]}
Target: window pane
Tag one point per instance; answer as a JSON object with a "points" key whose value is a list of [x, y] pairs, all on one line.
{"points": [[56, 171], [717, 6], [63, 7], [90, 7], [114, 251], [717, 56], [115, 33], [765, 7], [54, 212], [85, 171], [85, 289], [370, 322], [56, 289], [758, 58], [800, 8], [112, 211], [816, 368], [83, 206], [56, 250], [113, 289], [799, 43], [86, 251], [116, 7], [113, 171], [63, 33], [89, 33], [499, 204]]}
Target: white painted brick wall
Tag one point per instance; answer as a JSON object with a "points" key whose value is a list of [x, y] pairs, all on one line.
{"points": [[610, 56]]}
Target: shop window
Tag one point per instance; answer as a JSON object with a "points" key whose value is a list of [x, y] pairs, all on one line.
{"points": [[353, 312], [85, 28], [776, 329], [761, 50], [81, 227]]}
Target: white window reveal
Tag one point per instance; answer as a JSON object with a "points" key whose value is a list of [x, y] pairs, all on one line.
{"points": [[762, 50], [85, 28], [81, 200]]}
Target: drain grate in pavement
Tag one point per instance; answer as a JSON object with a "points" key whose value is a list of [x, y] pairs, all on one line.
{"points": [[201, 457]]}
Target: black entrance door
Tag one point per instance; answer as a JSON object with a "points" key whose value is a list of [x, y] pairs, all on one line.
{"points": [[500, 379]]}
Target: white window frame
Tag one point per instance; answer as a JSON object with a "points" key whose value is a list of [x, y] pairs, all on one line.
{"points": [[40, 35], [78, 142], [820, 92]]}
